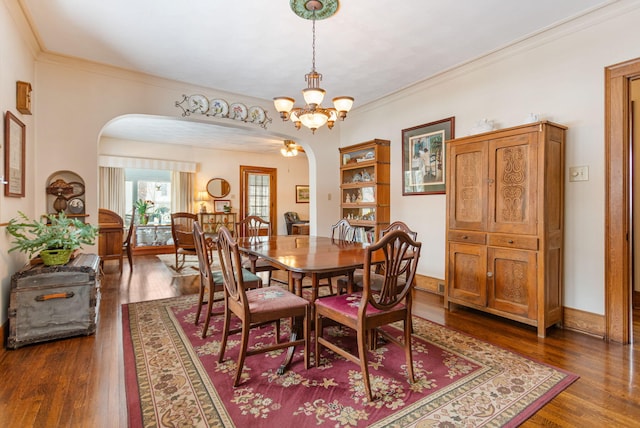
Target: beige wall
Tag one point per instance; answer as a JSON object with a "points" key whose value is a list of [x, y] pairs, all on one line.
{"points": [[558, 75]]}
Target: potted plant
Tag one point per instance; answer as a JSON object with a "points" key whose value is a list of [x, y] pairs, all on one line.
{"points": [[144, 209], [54, 238]]}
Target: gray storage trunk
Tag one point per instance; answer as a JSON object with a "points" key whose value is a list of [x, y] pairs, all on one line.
{"points": [[52, 302]]}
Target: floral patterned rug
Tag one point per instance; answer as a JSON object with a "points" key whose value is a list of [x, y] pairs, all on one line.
{"points": [[173, 378]]}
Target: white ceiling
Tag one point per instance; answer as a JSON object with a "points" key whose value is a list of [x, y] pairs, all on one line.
{"points": [[260, 48]]}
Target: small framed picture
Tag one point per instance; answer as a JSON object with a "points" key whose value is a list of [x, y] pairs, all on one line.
{"points": [[220, 204], [302, 194], [14, 154], [423, 157]]}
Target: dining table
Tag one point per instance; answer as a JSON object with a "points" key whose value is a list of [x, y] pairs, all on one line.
{"points": [[305, 256]]}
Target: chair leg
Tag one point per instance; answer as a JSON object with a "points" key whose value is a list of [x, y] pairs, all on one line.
{"points": [[407, 349], [209, 309], [243, 351], [307, 331], [200, 296], [130, 258], [362, 353], [225, 332], [317, 333]]}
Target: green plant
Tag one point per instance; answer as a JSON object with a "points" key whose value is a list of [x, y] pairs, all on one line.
{"points": [[57, 232], [143, 206]]}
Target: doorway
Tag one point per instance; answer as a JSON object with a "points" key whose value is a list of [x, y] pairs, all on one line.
{"points": [[258, 194], [618, 200]]}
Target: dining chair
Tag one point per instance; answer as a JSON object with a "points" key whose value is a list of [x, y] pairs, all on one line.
{"points": [[370, 309], [182, 233], [126, 244], [257, 306], [110, 237], [376, 274], [212, 281], [253, 227], [341, 231]]}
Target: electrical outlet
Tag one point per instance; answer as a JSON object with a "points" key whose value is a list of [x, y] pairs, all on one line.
{"points": [[441, 287]]}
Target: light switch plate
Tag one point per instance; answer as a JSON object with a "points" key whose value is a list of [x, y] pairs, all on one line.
{"points": [[579, 173]]}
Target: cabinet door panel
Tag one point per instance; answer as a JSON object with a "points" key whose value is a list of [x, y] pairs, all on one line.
{"points": [[512, 281], [467, 279], [513, 184], [467, 186]]}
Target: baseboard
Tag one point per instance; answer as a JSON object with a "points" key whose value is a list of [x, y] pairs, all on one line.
{"points": [[584, 322], [430, 284], [573, 319]]}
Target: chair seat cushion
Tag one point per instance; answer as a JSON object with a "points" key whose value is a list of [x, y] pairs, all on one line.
{"points": [[271, 299], [250, 279], [376, 280], [348, 304]]}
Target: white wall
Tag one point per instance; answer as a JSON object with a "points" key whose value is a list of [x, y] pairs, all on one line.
{"points": [[558, 75], [225, 164]]}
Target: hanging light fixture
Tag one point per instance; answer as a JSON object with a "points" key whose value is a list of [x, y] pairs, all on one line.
{"points": [[289, 150], [313, 115]]}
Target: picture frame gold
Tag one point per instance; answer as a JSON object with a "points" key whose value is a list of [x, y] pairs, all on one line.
{"points": [[302, 194], [14, 155]]}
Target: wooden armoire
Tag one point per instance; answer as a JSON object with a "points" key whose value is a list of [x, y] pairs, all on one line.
{"points": [[505, 193]]}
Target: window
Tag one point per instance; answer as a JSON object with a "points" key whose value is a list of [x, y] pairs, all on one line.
{"points": [[259, 195], [152, 185]]}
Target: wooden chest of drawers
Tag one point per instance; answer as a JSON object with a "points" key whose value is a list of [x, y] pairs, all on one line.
{"points": [[52, 302]]}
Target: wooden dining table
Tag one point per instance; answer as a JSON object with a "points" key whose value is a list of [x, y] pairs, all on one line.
{"points": [[305, 256]]}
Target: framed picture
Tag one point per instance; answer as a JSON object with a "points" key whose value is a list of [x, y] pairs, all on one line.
{"points": [[302, 194], [423, 157], [219, 204], [14, 151]]}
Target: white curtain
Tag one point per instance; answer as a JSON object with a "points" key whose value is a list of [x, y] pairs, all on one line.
{"points": [[112, 190], [182, 191]]}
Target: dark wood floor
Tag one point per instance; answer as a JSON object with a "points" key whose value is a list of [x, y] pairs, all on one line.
{"points": [[79, 382]]}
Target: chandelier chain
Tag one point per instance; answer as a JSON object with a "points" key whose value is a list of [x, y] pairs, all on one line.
{"points": [[313, 43]]}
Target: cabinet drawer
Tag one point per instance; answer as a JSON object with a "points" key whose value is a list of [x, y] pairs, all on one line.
{"points": [[511, 241], [469, 237]]}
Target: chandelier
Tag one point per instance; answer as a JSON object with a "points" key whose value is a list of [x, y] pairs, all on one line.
{"points": [[289, 150], [313, 115]]}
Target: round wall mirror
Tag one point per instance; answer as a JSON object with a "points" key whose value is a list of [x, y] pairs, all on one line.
{"points": [[218, 188]]}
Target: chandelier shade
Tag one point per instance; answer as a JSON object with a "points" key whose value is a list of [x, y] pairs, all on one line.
{"points": [[313, 115]]}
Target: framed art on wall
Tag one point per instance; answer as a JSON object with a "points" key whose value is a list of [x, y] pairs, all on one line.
{"points": [[423, 157], [14, 151], [220, 204], [302, 194]]}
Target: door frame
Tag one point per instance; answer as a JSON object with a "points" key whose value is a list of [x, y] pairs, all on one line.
{"points": [[245, 170], [618, 201]]}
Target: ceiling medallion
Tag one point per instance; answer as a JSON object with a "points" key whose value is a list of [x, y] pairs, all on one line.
{"points": [[323, 8], [313, 115]]}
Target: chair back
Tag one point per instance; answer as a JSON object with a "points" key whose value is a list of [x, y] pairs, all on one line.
{"points": [[253, 226], [202, 251], [127, 240], [182, 230], [231, 267], [343, 231], [398, 225], [398, 253]]}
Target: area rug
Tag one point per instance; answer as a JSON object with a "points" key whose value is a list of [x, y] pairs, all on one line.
{"points": [[173, 379]]}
